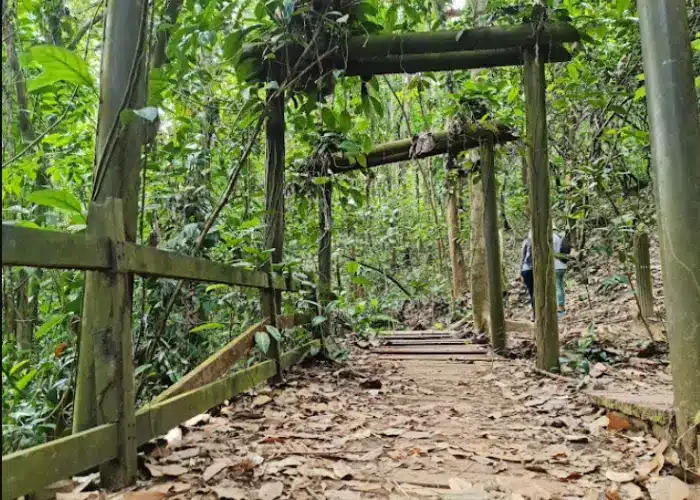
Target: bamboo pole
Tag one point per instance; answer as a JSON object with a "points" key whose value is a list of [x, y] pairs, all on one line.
{"points": [[675, 149], [493, 254], [271, 300], [400, 150], [546, 325], [645, 291], [481, 38], [447, 61]]}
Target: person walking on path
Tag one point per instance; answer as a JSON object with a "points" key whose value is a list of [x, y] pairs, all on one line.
{"points": [[561, 251], [526, 270]]}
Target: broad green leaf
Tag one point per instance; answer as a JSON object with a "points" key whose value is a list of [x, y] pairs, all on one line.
{"points": [[697, 418], [49, 324], [317, 320], [24, 381], [55, 198], [319, 181], [16, 368], [352, 267], [274, 332], [233, 45], [58, 64], [362, 160], [218, 286], [207, 326], [573, 72], [262, 340], [328, 118], [641, 93]]}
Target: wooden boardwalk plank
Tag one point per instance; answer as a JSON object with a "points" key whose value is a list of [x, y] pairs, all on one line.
{"points": [[431, 349]]}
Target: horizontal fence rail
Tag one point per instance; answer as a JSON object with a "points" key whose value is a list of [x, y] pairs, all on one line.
{"points": [[31, 469], [22, 246]]}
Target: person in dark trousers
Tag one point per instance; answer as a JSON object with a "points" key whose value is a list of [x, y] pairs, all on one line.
{"points": [[526, 269], [561, 251]]}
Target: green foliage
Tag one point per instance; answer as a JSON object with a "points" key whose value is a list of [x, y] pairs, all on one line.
{"points": [[57, 64]]}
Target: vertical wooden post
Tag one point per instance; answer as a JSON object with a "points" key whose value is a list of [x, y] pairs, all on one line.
{"points": [[453, 184], [107, 320], [271, 300], [325, 214], [117, 159], [645, 292], [493, 247], [546, 325], [675, 150]]}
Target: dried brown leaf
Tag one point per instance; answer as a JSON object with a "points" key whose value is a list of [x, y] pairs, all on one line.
{"points": [[260, 400], [271, 490], [166, 470], [669, 488], [342, 470], [618, 422], [619, 476], [230, 493], [216, 466]]}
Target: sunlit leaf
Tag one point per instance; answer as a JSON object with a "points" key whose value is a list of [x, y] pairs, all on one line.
{"points": [[49, 324], [207, 326], [56, 198], [57, 64], [262, 340]]}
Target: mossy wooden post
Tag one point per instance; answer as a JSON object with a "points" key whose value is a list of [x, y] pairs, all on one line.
{"points": [[271, 300], [493, 247], [645, 292], [675, 151], [107, 320], [546, 325], [117, 158], [325, 214]]}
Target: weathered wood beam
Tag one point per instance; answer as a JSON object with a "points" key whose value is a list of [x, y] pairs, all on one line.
{"points": [[483, 38], [29, 470], [215, 365], [449, 61], [444, 142], [23, 246], [364, 47], [31, 247]]}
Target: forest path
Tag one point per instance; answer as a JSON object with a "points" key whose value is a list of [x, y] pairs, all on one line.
{"points": [[397, 429]]}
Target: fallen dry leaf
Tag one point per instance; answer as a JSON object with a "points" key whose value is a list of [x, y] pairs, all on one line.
{"points": [[371, 384], [669, 488], [174, 437], [143, 495], [83, 495], [618, 422], [270, 490], [216, 466], [261, 400], [416, 435], [459, 484], [651, 467], [619, 477], [202, 418], [371, 455], [166, 470], [393, 432], [613, 493], [171, 487], [342, 470], [343, 495], [631, 491], [230, 493]]}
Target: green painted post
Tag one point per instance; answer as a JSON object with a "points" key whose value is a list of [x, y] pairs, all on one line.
{"points": [[675, 150]]}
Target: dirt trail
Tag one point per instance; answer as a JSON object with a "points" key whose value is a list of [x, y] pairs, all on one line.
{"points": [[380, 429]]}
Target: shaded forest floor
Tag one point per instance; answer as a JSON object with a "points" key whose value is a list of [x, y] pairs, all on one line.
{"points": [[380, 429]]}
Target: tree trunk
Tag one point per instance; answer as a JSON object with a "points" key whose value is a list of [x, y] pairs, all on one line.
{"points": [[497, 322], [478, 267], [644, 290], [675, 148], [117, 165], [325, 215], [546, 325], [454, 235], [271, 300]]}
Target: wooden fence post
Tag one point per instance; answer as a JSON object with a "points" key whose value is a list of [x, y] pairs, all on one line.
{"points": [[325, 214], [675, 153], [493, 247], [546, 324], [107, 321], [271, 300], [645, 291]]}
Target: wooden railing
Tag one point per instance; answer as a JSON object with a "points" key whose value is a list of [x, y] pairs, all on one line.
{"points": [[114, 442]]}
